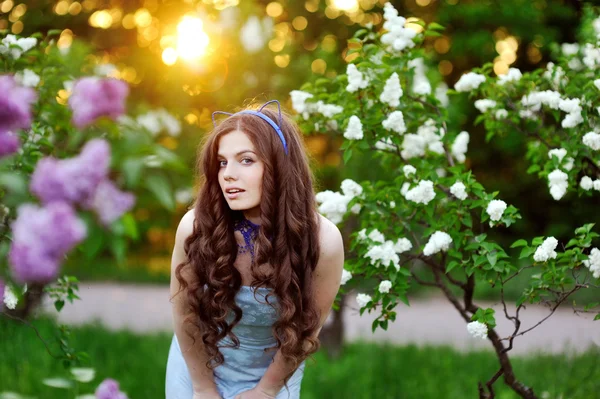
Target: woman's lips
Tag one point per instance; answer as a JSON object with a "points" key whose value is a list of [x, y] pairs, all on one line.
{"points": [[233, 196]]}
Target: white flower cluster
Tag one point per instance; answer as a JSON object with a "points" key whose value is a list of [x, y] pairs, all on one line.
{"points": [[458, 189], [546, 250], [592, 140], [569, 49], [299, 98], [439, 241], [558, 182], [397, 36], [534, 100], [384, 254], [469, 81], [441, 93], [423, 193], [346, 276], [158, 120], [477, 329], [27, 78], [392, 91], [395, 122], [587, 183], [402, 245], [555, 75], [573, 109], [363, 300], [334, 205], [10, 299], [484, 105], [460, 146], [23, 44], [354, 130], [560, 153], [421, 84], [409, 170], [501, 114], [384, 286], [593, 262], [513, 75], [495, 209], [591, 56], [428, 137], [356, 80]]}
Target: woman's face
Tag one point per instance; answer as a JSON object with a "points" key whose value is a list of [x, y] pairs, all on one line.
{"points": [[240, 173]]}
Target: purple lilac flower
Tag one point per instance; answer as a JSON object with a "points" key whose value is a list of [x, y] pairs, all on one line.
{"points": [[109, 202], [41, 238], [109, 389], [9, 143], [93, 97], [15, 104], [72, 180]]}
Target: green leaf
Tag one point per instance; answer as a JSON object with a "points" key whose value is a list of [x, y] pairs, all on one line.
{"points": [[347, 155], [432, 33], [160, 187], [492, 258], [59, 305], [526, 252], [519, 243], [533, 169], [451, 265], [436, 26], [597, 317]]}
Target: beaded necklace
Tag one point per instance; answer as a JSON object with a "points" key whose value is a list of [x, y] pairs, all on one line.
{"points": [[249, 231]]}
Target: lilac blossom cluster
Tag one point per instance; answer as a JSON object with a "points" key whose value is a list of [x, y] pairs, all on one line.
{"points": [[15, 112], [109, 389]]}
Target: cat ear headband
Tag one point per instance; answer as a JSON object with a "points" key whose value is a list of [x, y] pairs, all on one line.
{"points": [[263, 117]]}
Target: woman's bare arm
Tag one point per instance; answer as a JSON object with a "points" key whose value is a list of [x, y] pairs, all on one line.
{"points": [[327, 284], [193, 352]]}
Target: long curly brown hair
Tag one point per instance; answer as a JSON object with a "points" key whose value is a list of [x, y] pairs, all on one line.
{"points": [[287, 241]]}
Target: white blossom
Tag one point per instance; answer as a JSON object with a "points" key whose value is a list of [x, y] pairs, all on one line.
{"points": [[106, 69], [299, 100], [362, 235], [421, 84], [458, 189], [363, 300], [392, 91], [477, 329], [535, 99], [460, 146], [409, 170], [593, 262], [354, 130], [27, 78], [591, 56], [351, 188], [376, 236], [346, 276], [501, 114], [328, 110], [495, 209], [385, 144], [573, 108], [23, 44], [513, 75], [569, 49], [395, 122], [397, 36], [592, 140], [558, 152], [413, 146], [558, 183], [404, 189], [423, 193], [555, 74], [384, 286], [597, 83], [586, 183], [356, 80], [402, 245], [441, 93], [384, 254], [392, 204], [158, 120], [570, 162], [469, 81], [484, 105], [546, 250], [596, 184], [333, 205], [10, 299], [439, 241]]}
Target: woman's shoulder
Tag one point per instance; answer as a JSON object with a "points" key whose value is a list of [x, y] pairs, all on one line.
{"points": [[330, 238], [186, 226]]}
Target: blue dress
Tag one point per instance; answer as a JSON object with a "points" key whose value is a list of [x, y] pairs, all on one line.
{"points": [[243, 366]]}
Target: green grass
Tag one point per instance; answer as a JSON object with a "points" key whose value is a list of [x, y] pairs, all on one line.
{"points": [[364, 370]]}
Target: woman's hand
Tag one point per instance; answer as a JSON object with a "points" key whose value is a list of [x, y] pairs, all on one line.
{"points": [[255, 393]]}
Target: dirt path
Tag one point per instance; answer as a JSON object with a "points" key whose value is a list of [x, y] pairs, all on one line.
{"points": [[433, 321]]}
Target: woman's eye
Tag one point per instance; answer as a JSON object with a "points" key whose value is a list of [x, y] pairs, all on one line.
{"points": [[222, 163], [247, 161]]}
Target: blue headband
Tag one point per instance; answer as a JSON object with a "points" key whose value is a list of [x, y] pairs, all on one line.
{"points": [[263, 117]]}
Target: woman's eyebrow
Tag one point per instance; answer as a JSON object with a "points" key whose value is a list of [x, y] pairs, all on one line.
{"points": [[238, 153]]}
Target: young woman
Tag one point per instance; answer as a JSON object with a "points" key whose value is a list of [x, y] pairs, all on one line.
{"points": [[255, 268]]}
